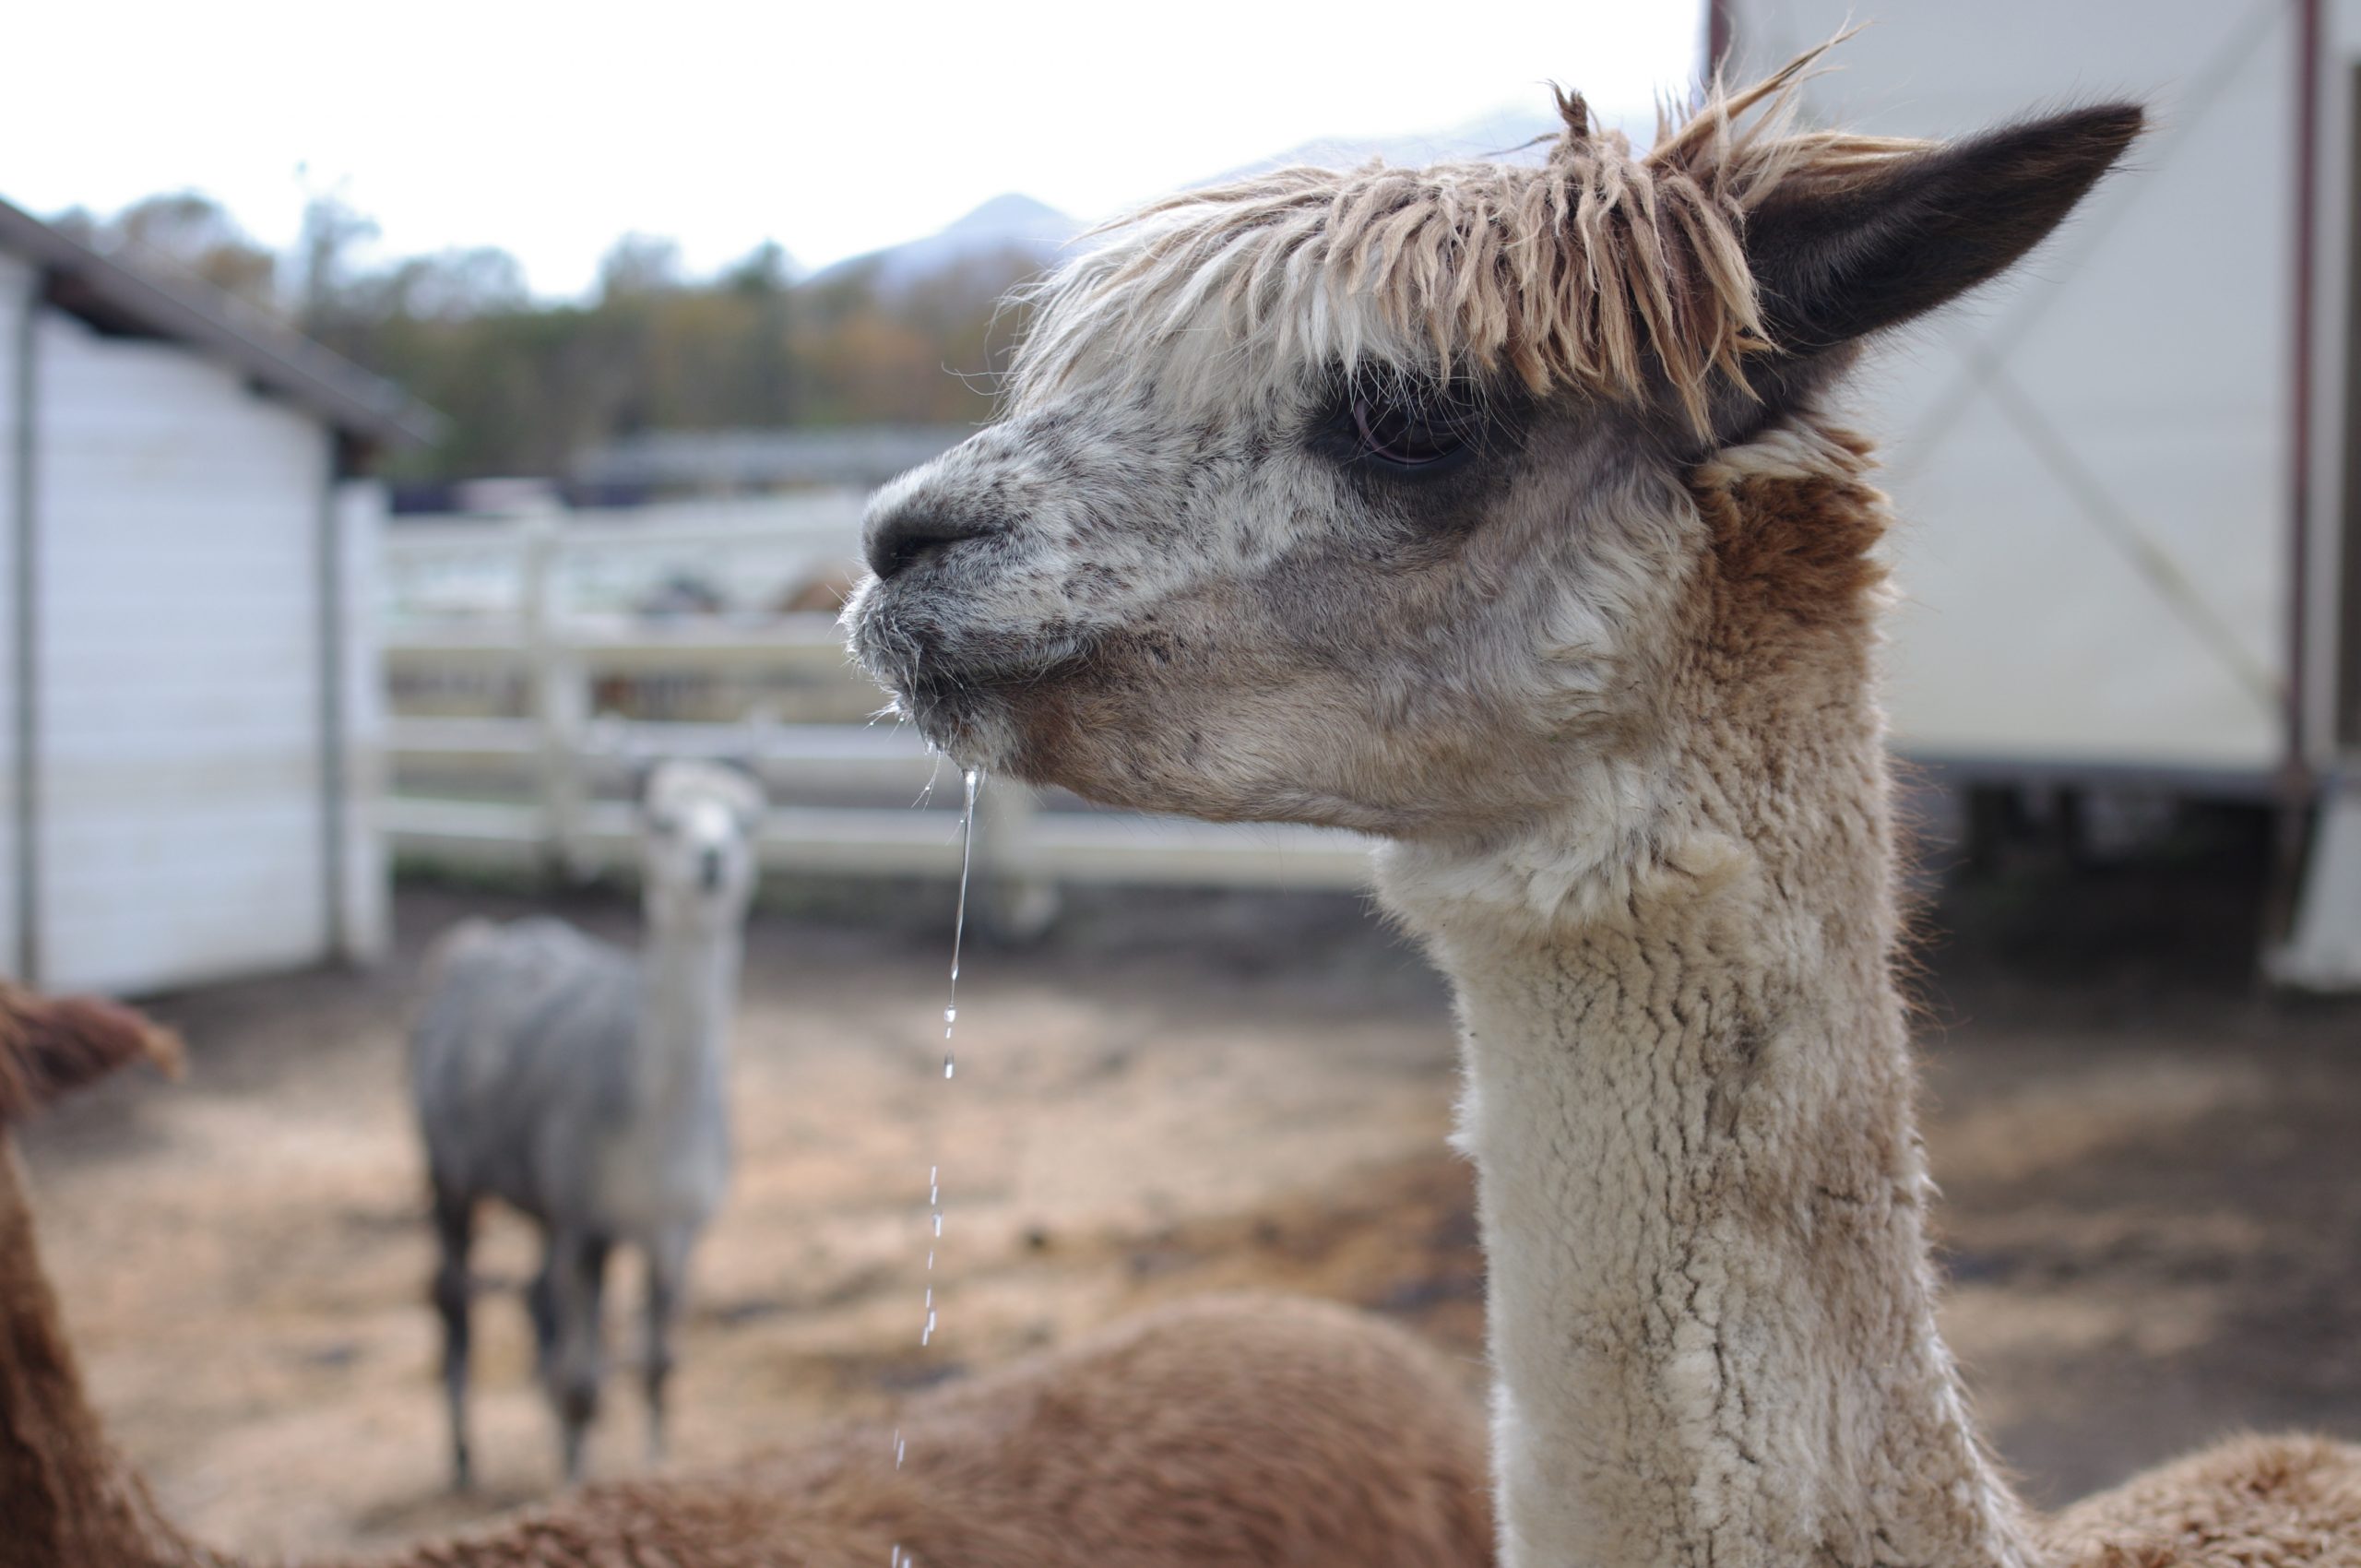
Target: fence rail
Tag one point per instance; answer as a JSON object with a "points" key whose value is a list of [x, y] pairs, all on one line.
{"points": [[538, 788]]}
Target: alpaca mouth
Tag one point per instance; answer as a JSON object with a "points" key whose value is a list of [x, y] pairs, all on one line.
{"points": [[951, 680]]}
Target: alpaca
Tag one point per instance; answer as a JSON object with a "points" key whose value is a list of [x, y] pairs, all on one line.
{"points": [[1229, 1433], [1499, 512], [587, 1089]]}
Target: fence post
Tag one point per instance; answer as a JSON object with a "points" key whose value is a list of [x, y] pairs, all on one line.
{"points": [[1018, 906], [557, 696]]}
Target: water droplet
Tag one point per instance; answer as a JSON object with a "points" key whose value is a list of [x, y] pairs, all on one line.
{"points": [[938, 1225], [951, 1014], [949, 1066], [930, 1259], [899, 1446]]}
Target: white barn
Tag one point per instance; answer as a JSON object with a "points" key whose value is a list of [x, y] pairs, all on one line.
{"points": [[187, 683]]}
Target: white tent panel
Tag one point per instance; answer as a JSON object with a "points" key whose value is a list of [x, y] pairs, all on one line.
{"points": [[182, 828], [2028, 637], [2092, 459]]}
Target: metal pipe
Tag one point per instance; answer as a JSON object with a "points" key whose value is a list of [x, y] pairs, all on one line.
{"points": [[2308, 129], [1718, 37], [2297, 787], [26, 534]]}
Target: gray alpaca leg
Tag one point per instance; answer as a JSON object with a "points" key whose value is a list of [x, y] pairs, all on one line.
{"points": [[454, 1230], [578, 1275], [540, 1306], [668, 1268]]}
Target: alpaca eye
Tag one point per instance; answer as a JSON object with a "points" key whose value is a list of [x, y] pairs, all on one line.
{"points": [[1405, 433]]}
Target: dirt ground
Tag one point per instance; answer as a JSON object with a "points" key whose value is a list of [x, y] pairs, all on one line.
{"points": [[2151, 1217]]}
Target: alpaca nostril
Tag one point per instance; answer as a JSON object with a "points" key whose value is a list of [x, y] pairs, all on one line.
{"points": [[901, 539]]}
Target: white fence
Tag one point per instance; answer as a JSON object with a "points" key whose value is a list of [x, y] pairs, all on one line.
{"points": [[518, 649]]}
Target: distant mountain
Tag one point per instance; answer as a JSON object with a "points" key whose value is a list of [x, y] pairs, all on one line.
{"points": [[1004, 224]]}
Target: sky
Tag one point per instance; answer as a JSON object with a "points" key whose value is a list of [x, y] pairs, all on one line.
{"points": [[549, 129]]}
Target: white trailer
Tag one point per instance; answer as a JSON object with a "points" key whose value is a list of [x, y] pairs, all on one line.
{"points": [[2126, 472], [188, 689]]}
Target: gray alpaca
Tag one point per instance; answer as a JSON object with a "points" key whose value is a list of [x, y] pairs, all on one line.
{"points": [[587, 1087]]}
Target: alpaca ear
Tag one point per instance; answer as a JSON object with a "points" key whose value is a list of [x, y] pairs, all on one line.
{"points": [[1837, 262]]}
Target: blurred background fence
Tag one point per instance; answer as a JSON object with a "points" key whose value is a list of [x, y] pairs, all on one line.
{"points": [[538, 658]]}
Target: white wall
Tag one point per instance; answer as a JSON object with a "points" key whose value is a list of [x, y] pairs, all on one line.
{"points": [[16, 285], [2159, 358], [181, 768]]}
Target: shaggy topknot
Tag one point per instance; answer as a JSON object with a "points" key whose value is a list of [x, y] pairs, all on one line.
{"points": [[1599, 269]]}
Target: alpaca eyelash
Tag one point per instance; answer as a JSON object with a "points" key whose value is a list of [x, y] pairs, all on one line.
{"points": [[1402, 427]]}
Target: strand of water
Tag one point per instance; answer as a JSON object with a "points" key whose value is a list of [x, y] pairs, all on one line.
{"points": [[974, 779]]}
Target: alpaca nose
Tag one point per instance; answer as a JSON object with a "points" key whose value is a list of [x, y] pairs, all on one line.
{"points": [[905, 536]]}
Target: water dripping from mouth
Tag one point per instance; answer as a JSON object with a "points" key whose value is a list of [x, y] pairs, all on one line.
{"points": [[973, 778]]}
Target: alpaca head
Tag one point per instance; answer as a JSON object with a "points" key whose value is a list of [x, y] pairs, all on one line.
{"points": [[1363, 498], [698, 843]]}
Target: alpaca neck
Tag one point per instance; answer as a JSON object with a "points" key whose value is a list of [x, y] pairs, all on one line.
{"points": [[65, 1495], [1689, 1103], [690, 992]]}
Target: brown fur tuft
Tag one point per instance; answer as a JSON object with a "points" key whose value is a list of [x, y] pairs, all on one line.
{"points": [[1793, 551], [51, 1045]]}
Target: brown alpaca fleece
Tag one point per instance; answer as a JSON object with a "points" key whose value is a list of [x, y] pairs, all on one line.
{"points": [[2248, 1503], [1237, 1430], [1227, 1431], [65, 1496], [49, 1045]]}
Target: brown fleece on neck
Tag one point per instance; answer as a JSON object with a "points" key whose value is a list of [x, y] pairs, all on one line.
{"points": [[1792, 554]]}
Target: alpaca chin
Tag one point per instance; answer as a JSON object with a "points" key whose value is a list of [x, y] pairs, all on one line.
{"points": [[954, 683], [972, 729], [963, 719]]}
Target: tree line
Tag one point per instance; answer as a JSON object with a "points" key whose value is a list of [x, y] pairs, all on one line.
{"points": [[526, 384]]}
